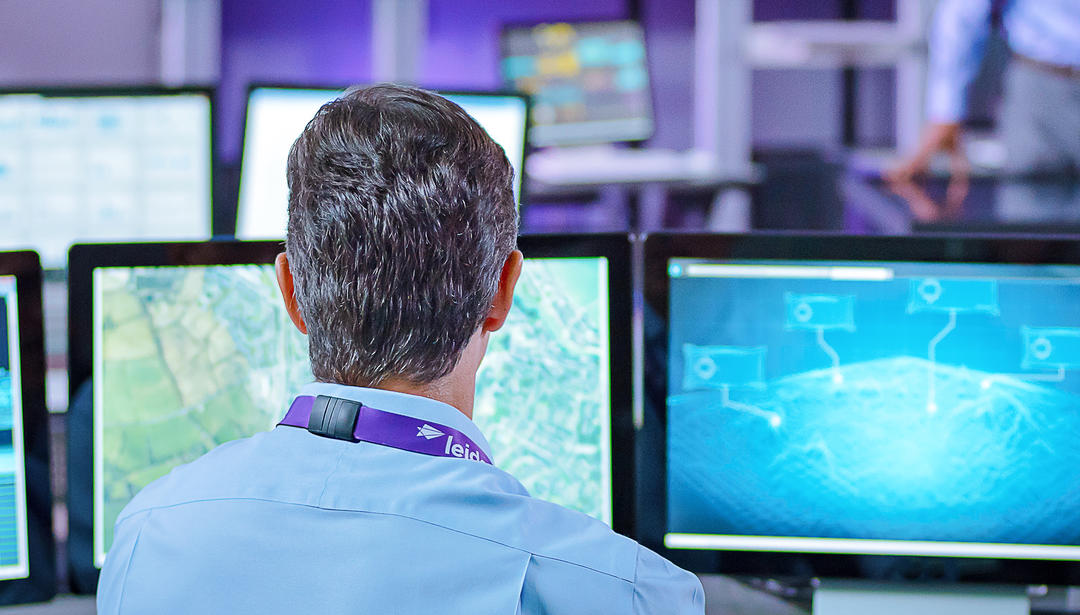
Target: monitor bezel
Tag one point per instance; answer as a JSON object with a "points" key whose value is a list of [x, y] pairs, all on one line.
{"points": [[257, 85], [506, 26], [802, 567], [148, 91], [84, 258], [41, 582]]}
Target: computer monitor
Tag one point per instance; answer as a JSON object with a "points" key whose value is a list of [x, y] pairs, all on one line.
{"points": [[27, 557], [103, 165], [276, 116], [188, 346], [828, 402], [589, 81]]}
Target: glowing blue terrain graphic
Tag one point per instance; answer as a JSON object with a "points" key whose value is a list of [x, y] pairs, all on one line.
{"points": [[998, 463]]}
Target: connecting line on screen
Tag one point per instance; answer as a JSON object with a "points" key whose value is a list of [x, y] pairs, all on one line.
{"points": [[931, 398], [772, 417], [837, 376], [1058, 376]]}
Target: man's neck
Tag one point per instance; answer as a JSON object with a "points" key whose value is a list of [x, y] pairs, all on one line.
{"points": [[447, 390], [457, 388]]}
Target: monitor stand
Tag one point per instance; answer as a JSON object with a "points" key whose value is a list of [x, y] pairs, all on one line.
{"points": [[859, 598]]}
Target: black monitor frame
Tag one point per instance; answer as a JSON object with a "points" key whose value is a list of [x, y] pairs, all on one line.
{"points": [[519, 180], [83, 259], [506, 27], [990, 228], [140, 91], [802, 567], [40, 585]]}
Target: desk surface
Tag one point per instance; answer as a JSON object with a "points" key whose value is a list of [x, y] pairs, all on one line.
{"points": [[63, 605]]}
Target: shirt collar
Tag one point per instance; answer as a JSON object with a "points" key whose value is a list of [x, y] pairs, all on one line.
{"points": [[423, 408]]}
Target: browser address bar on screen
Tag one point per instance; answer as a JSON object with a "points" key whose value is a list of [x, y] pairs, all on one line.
{"points": [[859, 274]]}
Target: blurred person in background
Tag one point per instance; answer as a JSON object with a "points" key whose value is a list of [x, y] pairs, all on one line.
{"points": [[1039, 120]]}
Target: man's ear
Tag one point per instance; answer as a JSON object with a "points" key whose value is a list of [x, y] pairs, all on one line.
{"points": [[504, 297], [285, 283]]}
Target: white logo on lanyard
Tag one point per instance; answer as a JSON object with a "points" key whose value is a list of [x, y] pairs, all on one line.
{"points": [[429, 432]]}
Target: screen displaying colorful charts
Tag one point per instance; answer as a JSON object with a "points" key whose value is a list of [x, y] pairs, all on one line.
{"points": [[102, 168], [890, 408], [277, 116], [13, 540], [189, 357], [589, 81]]}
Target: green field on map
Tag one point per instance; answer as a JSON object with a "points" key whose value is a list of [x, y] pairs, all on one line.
{"points": [[187, 358]]}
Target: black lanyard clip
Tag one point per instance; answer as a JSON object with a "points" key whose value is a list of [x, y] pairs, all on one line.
{"points": [[335, 418]]}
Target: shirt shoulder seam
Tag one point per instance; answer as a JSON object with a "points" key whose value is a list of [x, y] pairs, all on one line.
{"points": [[131, 558], [400, 516], [330, 474]]}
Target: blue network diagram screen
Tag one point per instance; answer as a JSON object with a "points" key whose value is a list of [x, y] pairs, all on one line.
{"points": [[13, 539], [874, 408]]}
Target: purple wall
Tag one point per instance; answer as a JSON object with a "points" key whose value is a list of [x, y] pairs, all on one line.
{"points": [[285, 41], [329, 41], [669, 27]]}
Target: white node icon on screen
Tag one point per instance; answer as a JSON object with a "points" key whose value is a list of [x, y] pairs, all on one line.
{"points": [[705, 368], [803, 312]]}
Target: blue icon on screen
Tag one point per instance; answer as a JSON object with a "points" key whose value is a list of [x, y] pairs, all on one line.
{"points": [[953, 295], [719, 367], [631, 78], [108, 122], [1052, 347], [813, 312], [593, 51], [628, 52], [519, 67]]}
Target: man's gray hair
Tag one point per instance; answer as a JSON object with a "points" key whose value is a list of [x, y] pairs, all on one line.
{"points": [[401, 215]]}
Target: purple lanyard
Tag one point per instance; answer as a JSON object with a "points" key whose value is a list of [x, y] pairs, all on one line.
{"points": [[344, 419]]}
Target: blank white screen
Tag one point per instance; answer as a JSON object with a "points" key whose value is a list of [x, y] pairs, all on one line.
{"points": [[277, 116]]}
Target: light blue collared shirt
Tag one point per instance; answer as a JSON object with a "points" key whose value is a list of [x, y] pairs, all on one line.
{"points": [[287, 522], [1046, 30]]}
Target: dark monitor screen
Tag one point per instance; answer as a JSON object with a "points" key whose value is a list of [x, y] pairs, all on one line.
{"points": [[277, 115], [103, 166], [191, 347], [917, 399], [589, 81], [26, 557]]}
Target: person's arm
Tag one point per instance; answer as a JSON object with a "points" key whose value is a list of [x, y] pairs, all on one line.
{"points": [[661, 587], [958, 37], [957, 41]]}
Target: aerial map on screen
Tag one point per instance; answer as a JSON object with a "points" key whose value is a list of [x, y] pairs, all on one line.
{"points": [[187, 358]]}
